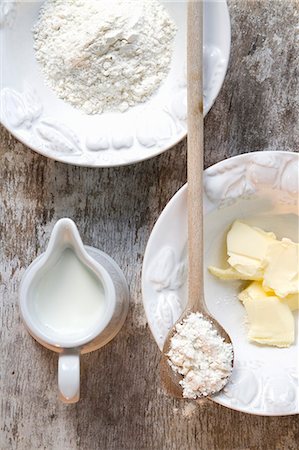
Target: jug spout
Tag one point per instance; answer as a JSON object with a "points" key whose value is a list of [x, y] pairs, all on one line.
{"points": [[65, 234]]}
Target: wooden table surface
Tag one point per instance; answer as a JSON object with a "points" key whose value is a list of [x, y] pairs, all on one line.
{"points": [[122, 404]]}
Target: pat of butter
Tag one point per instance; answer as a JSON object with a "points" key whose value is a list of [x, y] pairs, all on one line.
{"points": [[247, 248], [254, 254], [233, 274], [292, 300], [282, 268], [255, 291], [270, 319]]}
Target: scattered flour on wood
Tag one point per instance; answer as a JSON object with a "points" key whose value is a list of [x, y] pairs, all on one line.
{"points": [[104, 55], [189, 410], [201, 356]]}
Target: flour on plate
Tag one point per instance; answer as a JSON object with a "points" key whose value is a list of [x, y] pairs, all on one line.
{"points": [[200, 354], [104, 55]]}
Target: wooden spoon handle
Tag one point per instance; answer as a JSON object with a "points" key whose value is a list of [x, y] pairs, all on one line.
{"points": [[195, 154]]}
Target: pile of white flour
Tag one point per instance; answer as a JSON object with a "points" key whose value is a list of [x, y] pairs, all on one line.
{"points": [[104, 55], [199, 353]]}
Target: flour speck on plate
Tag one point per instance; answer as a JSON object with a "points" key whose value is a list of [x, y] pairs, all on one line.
{"points": [[102, 55], [201, 356]]}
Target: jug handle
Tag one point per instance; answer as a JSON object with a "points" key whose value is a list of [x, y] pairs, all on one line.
{"points": [[69, 376]]}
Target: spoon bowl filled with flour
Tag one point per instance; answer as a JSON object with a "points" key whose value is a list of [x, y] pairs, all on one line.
{"points": [[200, 355], [102, 83]]}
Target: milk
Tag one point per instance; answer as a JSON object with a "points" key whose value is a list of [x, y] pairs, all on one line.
{"points": [[69, 299]]}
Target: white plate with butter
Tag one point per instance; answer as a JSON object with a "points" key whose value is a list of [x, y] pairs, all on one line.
{"points": [[260, 189], [34, 114]]}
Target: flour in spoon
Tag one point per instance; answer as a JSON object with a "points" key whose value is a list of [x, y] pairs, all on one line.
{"points": [[104, 55], [201, 356]]}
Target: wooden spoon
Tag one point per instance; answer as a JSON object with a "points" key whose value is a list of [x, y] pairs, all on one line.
{"points": [[196, 302]]}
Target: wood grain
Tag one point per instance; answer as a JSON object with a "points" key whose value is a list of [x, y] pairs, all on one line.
{"points": [[195, 152], [123, 406]]}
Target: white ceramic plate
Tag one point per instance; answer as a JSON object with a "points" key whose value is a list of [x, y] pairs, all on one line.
{"points": [[262, 189], [36, 116]]}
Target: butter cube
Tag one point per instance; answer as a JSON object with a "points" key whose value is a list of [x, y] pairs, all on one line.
{"points": [[270, 319], [233, 274], [282, 270], [255, 291], [292, 300], [247, 248]]}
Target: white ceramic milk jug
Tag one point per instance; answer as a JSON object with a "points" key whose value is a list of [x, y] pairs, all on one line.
{"points": [[73, 300]]}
